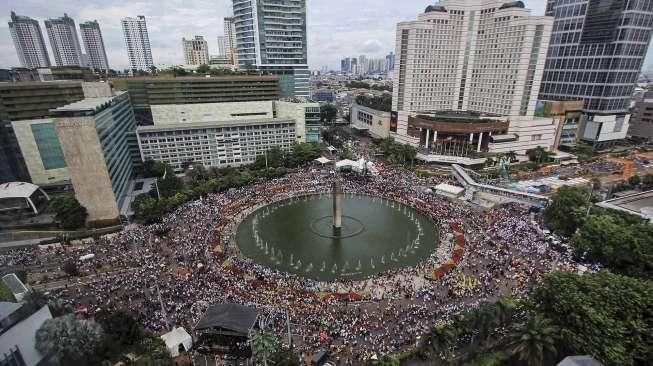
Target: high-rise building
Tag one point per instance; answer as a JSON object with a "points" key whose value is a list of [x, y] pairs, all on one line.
{"points": [[596, 54], [94, 45], [272, 39], [196, 51], [362, 65], [345, 66], [390, 61], [28, 40], [222, 47], [138, 43], [230, 40], [64, 41], [468, 72]]}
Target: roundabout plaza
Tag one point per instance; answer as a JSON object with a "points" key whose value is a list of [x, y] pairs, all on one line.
{"points": [[360, 265]]}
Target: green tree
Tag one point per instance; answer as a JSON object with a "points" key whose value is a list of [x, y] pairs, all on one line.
{"points": [[203, 69], [381, 103], [539, 155], [328, 113], [567, 210], [156, 349], [601, 314], [120, 328], [264, 345], [337, 136], [635, 180], [5, 293], [511, 156], [389, 360], [149, 210], [69, 212], [70, 267], [284, 357], [534, 342], [442, 340], [623, 247], [69, 340], [647, 181]]}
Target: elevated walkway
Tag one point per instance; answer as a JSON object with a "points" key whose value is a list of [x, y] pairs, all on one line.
{"points": [[470, 184]]}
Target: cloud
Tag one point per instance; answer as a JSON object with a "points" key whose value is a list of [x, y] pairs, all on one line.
{"points": [[336, 28]]}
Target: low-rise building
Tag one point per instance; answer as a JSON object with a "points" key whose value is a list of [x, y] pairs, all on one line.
{"points": [[18, 326], [376, 122], [215, 144]]}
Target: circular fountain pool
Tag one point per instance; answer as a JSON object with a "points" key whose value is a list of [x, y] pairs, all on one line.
{"points": [[296, 235]]}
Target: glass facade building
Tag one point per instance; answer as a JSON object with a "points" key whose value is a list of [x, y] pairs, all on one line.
{"points": [[596, 52], [271, 36], [48, 145]]}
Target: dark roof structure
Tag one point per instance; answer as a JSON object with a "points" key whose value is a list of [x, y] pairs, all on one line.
{"points": [[438, 8], [229, 317], [513, 4]]}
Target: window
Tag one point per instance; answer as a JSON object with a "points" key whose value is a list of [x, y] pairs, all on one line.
{"points": [[536, 137], [619, 124]]}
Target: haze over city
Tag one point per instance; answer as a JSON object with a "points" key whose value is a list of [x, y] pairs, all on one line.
{"points": [[336, 28]]}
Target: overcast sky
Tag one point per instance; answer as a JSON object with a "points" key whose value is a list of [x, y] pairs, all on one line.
{"points": [[336, 28]]}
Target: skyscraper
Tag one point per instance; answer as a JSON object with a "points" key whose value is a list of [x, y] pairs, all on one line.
{"points": [[345, 66], [596, 54], [390, 61], [230, 40], [272, 38], [64, 41], [138, 43], [94, 45], [28, 40], [196, 51], [222, 47]]}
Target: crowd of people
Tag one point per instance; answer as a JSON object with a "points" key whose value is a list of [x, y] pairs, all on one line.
{"points": [[191, 261]]}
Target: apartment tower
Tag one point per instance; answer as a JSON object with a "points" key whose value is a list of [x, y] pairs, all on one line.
{"points": [[271, 37], [94, 45], [138, 43], [64, 41], [28, 40], [230, 40]]}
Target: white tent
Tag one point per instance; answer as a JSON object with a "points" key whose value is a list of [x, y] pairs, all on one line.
{"points": [[357, 166], [449, 190], [322, 160], [175, 339]]}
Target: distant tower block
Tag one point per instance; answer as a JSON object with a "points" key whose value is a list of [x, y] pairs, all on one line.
{"points": [[337, 208]]}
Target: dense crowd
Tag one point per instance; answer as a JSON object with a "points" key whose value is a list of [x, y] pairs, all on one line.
{"points": [[191, 261]]}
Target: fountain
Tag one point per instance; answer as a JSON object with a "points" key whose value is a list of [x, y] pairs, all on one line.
{"points": [[332, 233]]}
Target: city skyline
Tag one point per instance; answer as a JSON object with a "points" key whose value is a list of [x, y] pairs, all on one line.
{"points": [[333, 31]]}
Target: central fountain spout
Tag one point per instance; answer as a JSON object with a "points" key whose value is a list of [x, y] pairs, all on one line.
{"points": [[337, 208]]}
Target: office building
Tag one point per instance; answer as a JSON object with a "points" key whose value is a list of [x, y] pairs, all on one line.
{"points": [[641, 122], [373, 121], [97, 137], [272, 39], [27, 101], [138, 43], [226, 134], [596, 55], [40, 151], [345, 66], [146, 91], [230, 40], [94, 45], [196, 51], [28, 40], [64, 41], [467, 71]]}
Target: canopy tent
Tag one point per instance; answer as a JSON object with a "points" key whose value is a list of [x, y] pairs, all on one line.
{"points": [[359, 166], [322, 160], [230, 319], [177, 338], [449, 190]]}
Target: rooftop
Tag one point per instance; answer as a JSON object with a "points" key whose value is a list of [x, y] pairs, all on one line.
{"points": [[17, 190], [213, 124], [8, 308], [232, 317], [640, 204], [89, 104]]}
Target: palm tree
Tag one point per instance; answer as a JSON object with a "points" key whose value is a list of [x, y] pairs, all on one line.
{"points": [[535, 341], [441, 339]]}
